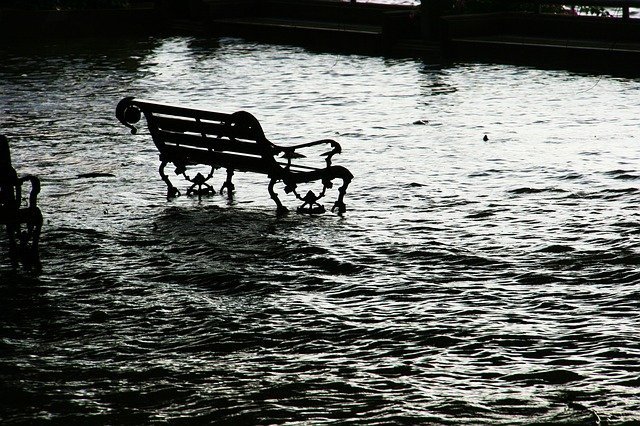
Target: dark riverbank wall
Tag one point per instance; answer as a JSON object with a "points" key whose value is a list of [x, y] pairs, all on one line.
{"points": [[336, 25], [590, 43], [599, 44], [32, 23]]}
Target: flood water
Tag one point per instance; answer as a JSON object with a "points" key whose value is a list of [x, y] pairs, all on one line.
{"points": [[470, 281]]}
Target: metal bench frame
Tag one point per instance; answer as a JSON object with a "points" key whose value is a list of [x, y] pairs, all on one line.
{"points": [[21, 216], [236, 142]]}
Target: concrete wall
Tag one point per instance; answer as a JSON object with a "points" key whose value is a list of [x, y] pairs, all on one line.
{"points": [[541, 25], [318, 10]]}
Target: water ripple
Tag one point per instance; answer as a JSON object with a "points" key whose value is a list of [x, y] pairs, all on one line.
{"points": [[471, 281]]}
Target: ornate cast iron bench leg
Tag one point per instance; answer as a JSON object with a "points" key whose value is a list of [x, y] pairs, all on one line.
{"points": [[228, 184], [29, 239], [13, 245], [199, 180], [339, 204], [310, 203], [31, 217], [280, 209], [35, 243], [172, 191], [24, 244]]}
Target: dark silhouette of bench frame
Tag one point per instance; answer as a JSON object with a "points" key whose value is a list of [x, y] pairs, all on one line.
{"points": [[21, 216], [236, 142]]}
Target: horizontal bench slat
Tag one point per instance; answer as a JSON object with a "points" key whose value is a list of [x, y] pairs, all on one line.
{"points": [[213, 143], [197, 125], [160, 108], [242, 163], [178, 124]]}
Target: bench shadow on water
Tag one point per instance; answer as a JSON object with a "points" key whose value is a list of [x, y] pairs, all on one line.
{"points": [[241, 250], [217, 248], [190, 282]]}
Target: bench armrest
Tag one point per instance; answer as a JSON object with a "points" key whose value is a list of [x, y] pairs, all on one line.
{"points": [[289, 151], [33, 194], [128, 113]]}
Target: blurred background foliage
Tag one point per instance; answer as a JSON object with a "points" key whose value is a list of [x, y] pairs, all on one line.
{"points": [[486, 6]]}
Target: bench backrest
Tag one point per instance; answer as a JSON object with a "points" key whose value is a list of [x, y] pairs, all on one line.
{"points": [[11, 195], [8, 176], [194, 136]]}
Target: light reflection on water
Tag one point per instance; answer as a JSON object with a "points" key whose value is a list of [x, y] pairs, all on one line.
{"points": [[470, 281]]}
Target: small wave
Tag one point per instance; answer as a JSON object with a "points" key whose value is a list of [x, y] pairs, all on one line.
{"points": [[556, 248], [554, 377], [633, 383], [443, 341], [536, 279], [334, 266], [514, 407], [628, 259], [571, 176], [627, 176], [529, 190], [481, 214], [615, 193], [463, 408], [399, 370], [479, 174], [622, 174]]}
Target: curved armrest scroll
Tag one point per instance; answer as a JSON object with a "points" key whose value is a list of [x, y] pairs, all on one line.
{"points": [[288, 151], [128, 113], [35, 189]]}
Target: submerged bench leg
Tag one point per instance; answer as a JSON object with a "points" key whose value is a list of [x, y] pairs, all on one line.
{"points": [[13, 246], [228, 184], [339, 204], [280, 208], [24, 243], [29, 240], [172, 191], [35, 242], [199, 181]]}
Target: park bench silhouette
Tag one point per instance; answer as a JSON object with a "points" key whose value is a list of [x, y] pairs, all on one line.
{"points": [[20, 215], [188, 137]]}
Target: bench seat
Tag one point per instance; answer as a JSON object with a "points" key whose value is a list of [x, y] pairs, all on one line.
{"points": [[188, 137]]}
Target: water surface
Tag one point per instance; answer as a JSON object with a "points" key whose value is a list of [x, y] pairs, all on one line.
{"points": [[470, 281]]}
